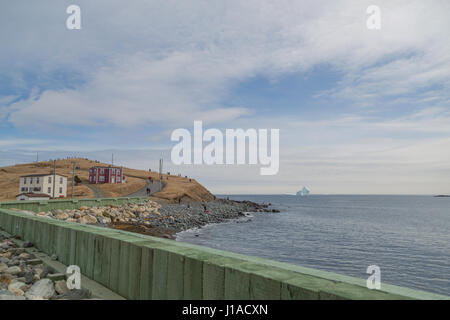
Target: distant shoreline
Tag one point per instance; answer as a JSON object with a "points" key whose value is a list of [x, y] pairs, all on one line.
{"points": [[176, 218]]}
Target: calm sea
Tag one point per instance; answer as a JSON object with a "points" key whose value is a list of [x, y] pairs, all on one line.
{"points": [[408, 237]]}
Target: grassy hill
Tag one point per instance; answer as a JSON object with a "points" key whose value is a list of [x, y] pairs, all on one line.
{"points": [[175, 187]]}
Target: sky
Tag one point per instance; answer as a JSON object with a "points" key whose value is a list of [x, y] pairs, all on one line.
{"points": [[359, 111]]}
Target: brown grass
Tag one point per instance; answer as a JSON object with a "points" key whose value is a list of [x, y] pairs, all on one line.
{"points": [[176, 187]]}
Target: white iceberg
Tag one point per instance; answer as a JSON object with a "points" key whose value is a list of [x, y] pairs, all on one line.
{"points": [[304, 192]]}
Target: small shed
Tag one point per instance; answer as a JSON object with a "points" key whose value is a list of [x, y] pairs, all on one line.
{"points": [[32, 196]]}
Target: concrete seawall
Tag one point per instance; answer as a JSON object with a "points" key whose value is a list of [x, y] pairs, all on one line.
{"points": [[141, 267]]}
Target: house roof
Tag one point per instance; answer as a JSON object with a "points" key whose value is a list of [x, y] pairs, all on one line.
{"points": [[42, 175], [103, 167], [34, 195]]}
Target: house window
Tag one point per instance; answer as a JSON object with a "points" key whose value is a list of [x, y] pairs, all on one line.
{"points": [[24, 189], [37, 180], [60, 190], [49, 190], [102, 171], [61, 180], [24, 180], [113, 171], [102, 179], [37, 189], [31, 180], [49, 179]]}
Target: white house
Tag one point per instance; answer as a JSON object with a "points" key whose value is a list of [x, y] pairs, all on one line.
{"points": [[44, 184], [33, 196]]}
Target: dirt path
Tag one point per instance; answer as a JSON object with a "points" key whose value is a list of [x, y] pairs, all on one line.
{"points": [[98, 193], [153, 185]]}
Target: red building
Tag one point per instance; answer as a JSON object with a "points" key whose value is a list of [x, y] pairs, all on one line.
{"points": [[99, 175]]}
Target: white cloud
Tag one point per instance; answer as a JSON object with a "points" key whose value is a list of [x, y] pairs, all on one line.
{"points": [[178, 61], [5, 143]]}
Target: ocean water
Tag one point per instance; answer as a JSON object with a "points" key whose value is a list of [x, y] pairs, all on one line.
{"points": [[408, 237]]}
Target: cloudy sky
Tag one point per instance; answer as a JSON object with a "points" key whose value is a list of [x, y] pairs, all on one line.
{"points": [[359, 111]]}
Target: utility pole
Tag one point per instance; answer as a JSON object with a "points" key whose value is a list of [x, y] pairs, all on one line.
{"points": [[121, 179], [73, 176], [112, 159], [160, 173], [54, 178]]}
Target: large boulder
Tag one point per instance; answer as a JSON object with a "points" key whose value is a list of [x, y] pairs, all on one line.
{"points": [[41, 290], [62, 216], [88, 219]]}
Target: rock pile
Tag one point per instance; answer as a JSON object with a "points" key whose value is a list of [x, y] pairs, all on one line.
{"points": [[23, 277], [107, 215]]}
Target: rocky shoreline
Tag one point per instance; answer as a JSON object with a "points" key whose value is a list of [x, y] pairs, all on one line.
{"points": [[158, 219]]}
